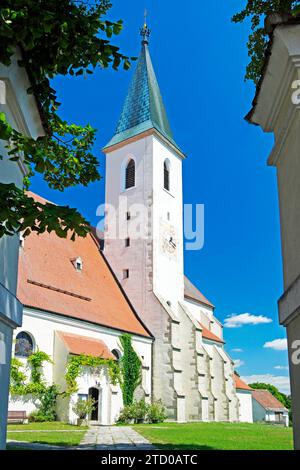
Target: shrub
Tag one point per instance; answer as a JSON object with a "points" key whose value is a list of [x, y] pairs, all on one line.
{"points": [[38, 417], [47, 407], [142, 411], [33, 417], [137, 411], [83, 408], [126, 414], [47, 410], [156, 412]]}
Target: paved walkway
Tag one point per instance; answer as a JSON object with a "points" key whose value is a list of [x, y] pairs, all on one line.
{"points": [[114, 438]]}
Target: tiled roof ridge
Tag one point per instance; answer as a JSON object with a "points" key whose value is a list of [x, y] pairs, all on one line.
{"points": [[84, 343], [208, 334], [266, 399], [240, 383]]}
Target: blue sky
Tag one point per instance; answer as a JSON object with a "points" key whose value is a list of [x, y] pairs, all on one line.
{"points": [[200, 59]]}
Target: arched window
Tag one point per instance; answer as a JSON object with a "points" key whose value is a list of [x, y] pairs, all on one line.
{"points": [[167, 175], [117, 354], [24, 345], [130, 174]]}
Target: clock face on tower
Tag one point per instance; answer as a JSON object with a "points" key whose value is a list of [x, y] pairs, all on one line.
{"points": [[168, 240]]}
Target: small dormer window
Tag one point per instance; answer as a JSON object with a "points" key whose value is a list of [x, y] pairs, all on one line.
{"points": [[78, 264]]}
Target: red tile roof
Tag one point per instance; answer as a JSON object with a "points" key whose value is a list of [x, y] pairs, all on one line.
{"points": [[267, 400], [84, 345], [48, 281], [191, 292], [240, 384], [207, 334]]}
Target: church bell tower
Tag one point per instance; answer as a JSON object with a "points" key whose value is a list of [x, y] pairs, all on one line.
{"points": [[144, 223], [144, 247]]}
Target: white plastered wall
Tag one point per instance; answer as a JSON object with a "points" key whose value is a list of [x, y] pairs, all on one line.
{"points": [[43, 327], [245, 406]]}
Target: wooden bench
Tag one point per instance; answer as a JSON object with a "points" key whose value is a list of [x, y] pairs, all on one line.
{"points": [[14, 417]]}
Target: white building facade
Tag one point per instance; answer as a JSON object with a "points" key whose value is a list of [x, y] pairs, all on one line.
{"points": [[276, 109], [244, 395], [52, 333]]}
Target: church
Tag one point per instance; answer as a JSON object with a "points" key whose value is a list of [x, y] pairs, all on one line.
{"points": [[80, 297]]}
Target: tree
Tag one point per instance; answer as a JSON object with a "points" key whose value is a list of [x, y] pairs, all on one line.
{"points": [[55, 37], [256, 10], [284, 399]]}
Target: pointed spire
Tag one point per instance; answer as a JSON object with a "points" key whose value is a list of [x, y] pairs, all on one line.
{"points": [[145, 31], [143, 108]]}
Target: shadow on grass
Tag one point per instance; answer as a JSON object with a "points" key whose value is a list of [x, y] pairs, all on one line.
{"points": [[39, 445], [58, 445], [183, 447]]}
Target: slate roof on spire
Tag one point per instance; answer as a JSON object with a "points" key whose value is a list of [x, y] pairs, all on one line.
{"points": [[143, 108]]}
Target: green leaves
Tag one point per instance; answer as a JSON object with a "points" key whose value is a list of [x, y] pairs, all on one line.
{"points": [[65, 159], [257, 10], [77, 363], [127, 372], [5, 128], [17, 375], [35, 362], [130, 368], [55, 37], [83, 408], [19, 384], [22, 213]]}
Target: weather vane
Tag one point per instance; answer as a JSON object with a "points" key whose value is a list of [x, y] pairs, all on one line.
{"points": [[145, 31]]}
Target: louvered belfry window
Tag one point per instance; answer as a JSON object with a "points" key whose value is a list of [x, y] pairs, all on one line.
{"points": [[166, 176], [130, 175]]}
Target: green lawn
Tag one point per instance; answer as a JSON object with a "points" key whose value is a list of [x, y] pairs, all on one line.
{"points": [[217, 436], [56, 433]]}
